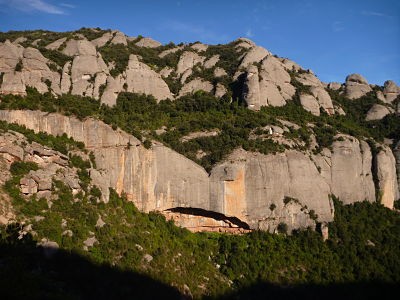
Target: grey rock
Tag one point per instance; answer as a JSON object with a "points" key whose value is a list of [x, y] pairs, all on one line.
{"points": [[102, 41], [390, 90], [387, 177]]}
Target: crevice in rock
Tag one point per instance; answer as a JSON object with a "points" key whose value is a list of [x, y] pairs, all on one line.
{"points": [[210, 214]]}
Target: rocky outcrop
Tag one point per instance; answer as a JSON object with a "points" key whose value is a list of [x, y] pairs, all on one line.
{"points": [[258, 191], [356, 86], [187, 61], [196, 84], [32, 70], [148, 43], [101, 41], [268, 86], [390, 91], [377, 112], [87, 64], [254, 55], [199, 47], [387, 177], [119, 38], [56, 44], [140, 78], [347, 169]]}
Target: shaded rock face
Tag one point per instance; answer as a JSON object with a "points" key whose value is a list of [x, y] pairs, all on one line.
{"points": [[356, 86], [243, 187], [387, 177]]}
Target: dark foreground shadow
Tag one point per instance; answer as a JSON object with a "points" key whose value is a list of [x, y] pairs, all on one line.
{"points": [[28, 272], [353, 291]]}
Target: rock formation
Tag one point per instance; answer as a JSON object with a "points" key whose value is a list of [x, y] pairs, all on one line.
{"points": [[356, 86], [244, 187]]}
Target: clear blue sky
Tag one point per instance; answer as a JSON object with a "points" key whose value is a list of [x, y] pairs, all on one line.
{"points": [[332, 37]]}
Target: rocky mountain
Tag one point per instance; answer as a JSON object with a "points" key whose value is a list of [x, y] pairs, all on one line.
{"points": [[283, 171]]}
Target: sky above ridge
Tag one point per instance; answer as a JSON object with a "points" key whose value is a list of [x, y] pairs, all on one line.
{"points": [[334, 38]]}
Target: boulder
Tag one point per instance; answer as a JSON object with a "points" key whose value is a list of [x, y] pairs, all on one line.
{"points": [[391, 91], [377, 112], [356, 86], [196, 84]]}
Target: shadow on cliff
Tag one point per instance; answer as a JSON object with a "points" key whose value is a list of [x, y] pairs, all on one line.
{"points": [[353, 291], [29, 272]]}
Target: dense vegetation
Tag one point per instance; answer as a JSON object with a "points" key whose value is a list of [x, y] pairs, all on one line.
{"points": [[237, 126], [362, 247]]}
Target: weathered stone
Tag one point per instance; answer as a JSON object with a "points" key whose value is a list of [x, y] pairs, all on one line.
{"points": [[219, 72], [310, 104], [13, 84], [211, 62], [20, 40], [166, 71], [356, 86], [148, 43], [390, 90], [187, 61], [169, 51], [113, 88], [254, 55], [56, 44], [66, 78], [28, 186], [220, 90], [199, 47], [196, 84], [101, 41], [334, 86], [387, 177], [140, 78], [10, 55], [119, 38], [377, 112], [323, 98]]}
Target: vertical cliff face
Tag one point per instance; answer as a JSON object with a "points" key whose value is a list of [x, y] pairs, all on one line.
{"points": [[248, 190]]}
